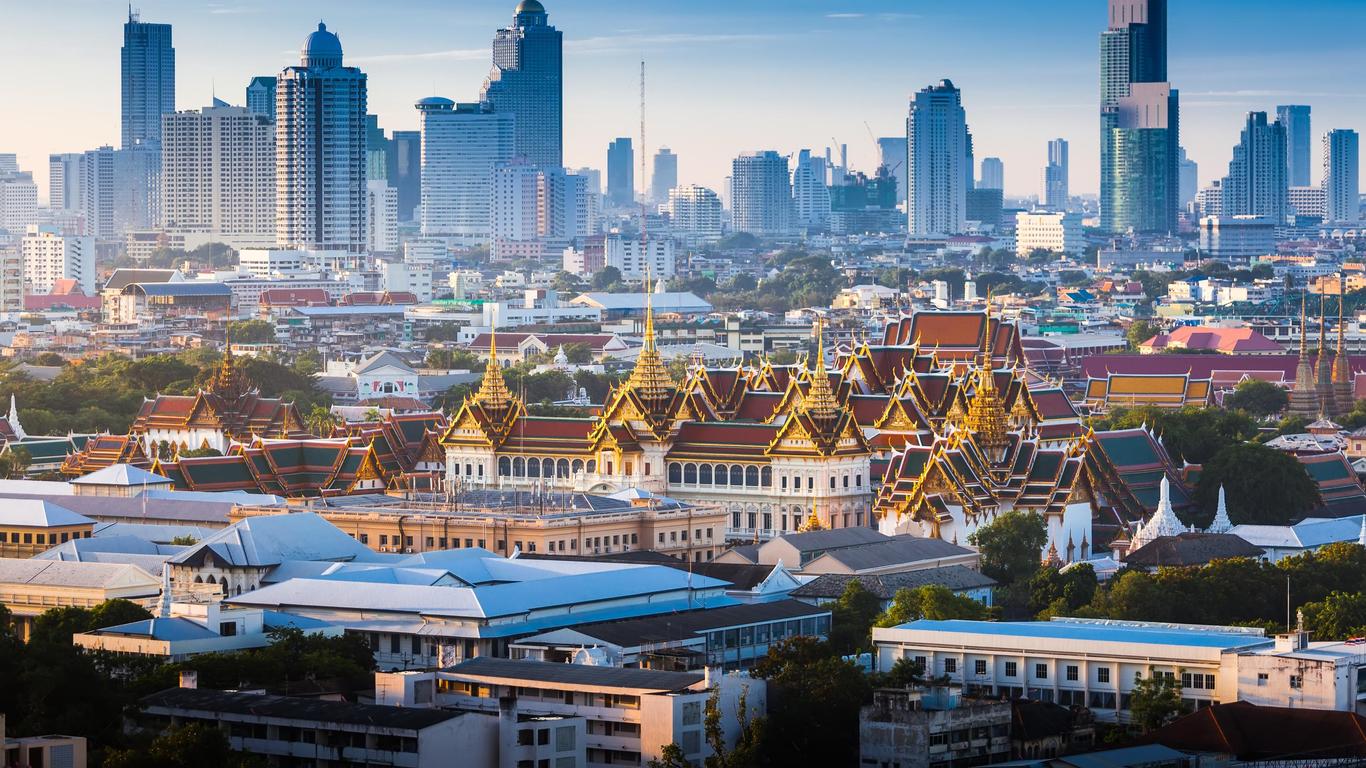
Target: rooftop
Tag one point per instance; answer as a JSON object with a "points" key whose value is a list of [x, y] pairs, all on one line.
{"points": [[260, 705], [1143, 633], [577, 674]]}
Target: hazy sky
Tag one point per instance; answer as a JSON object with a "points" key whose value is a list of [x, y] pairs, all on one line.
{"points": [[724, 76]]}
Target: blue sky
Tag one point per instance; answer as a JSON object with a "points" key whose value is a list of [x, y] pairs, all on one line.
{"points": [[724, 76]]}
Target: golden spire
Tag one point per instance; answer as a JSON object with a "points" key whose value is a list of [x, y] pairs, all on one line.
{"points": [[650, 378], [820, 400], [493, 391], [986, 413], [228, 381]]}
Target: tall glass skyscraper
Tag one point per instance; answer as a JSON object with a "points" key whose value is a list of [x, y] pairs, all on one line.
{"points": [[148, 80], [528, 81], [1256, 181], [938, 161], [1055, 177], [1298, 138], [261, 96], [320, 150], [1140, 121], [664, 175], [621, 173], [1341, 175]]}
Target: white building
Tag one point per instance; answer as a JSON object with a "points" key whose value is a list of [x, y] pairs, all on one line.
{"points": [[66, 177], [760, 194], [320, 141], [11, 278], [1308, 201], [1054, 231], [49, 256], [695, 214], [218, 175], [18, 201], [939, 166], [536, 211], [811, 191], [381, 212], [635, 260], [461, 145], [401, 276], [1238, 238], [122, 191], [1341, 176]]}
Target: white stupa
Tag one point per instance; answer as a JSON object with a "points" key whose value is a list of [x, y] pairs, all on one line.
{"points": [[1221, 522], [1164, 521]]}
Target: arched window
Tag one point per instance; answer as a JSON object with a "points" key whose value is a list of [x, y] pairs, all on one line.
{"points": [[592, 466], [675, 472], [577, 466], [690, 474], [547, 467], [210, 580], [562, 468], [752, 477], [519, 467], [737, 475], [722, 478], [199, 579], [735, 520], [704, 474], [504, 467], [766, 477]]}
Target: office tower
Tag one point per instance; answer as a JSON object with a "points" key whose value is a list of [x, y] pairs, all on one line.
{"points": [[461, 145], [582, 207], [1298, 139], [49, 256], [218, 176], [1188, 171], [1055, 182], [1140, 121], [261, 96], [18, 201], [985, 206], [892, 155], [405, 174], [621, 173], [378, 150], [993, 174], [939, 168], [527, 82], [148, 80], [1256, 181], [11, 277], [593, 177], [320, 150], [65, 174], [1307, 202], [695, 214], [664, 175], [381, 211], [1341, 169], [532, 212], [122, 191], [810, 192], [9, 162], [760, 194]]}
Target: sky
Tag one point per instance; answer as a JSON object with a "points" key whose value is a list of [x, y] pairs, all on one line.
{"points": [[724, 76]]}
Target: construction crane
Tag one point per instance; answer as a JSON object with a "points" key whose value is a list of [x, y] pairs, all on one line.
{"points": [[878, 148]]}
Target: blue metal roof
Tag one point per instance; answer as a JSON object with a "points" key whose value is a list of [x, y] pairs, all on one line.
{"points": [[183, 289], [1101, 633]]}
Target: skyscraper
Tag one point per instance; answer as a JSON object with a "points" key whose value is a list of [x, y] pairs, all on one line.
{"points": [[66, 173], [939, 165], [892, 153], [461, 145], [406, 172], [261, 96], [621, 173], [148, 80], [993, 174], [1256, 181], [664, 176], [1298, 140], [1055, 177], [218, 175], [695, 214], [810, 193], [527, 82], [1188, 171], [320, 147], [1140, 121], [122, 190], [760, 194], [1341, 176]]}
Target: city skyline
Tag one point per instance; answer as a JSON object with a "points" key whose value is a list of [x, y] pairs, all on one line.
{"points": [[774, 67]]}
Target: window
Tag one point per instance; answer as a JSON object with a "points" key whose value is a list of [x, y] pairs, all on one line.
{"points": [[979, 666], [1103, 675], [692, 742], [1072, 673], [1296, 682], [1262, 678], [692, 713], [564, 739], [394, 644], [1012, 669], [1041, 671], [950, 666]]}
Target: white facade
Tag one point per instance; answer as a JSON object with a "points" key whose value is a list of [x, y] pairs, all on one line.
{"points": [[122, 191], [1055, 177], [695, 214], [1055, 231], [1237, 237], [461, 145], [49, 256], [1341, 176], [632, 258], [18, 201], [939, 168], [993, 174], [381, 211], [1308, 201], [760, 194], [66, 175], [400, 276], [810, 192], [536, 210], [664, 175], [218, 175], [11, 278]]}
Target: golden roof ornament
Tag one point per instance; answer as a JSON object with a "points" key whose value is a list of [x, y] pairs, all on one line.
{"points": [[650, 378], [493, 391], [820, 399], [986, 413]]}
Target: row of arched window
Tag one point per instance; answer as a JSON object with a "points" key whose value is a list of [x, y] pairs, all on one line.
{"points": [[533, 467], [720, 475]]}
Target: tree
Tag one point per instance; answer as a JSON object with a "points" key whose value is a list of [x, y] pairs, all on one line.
{"points": [[671, 756], [1010, 545], [814, 701], [905, 671], [1155, 700], [748, 751], [1190, 434], [931, 601], [15, 462], [442, 332], [567, 282], [251, 332], [606, 279], [320, 421], [308, 363], [1053, 592], [197, 745], [852, 617], [453, 359], [1140, 331], [1257, 397], [112, 613], [1337, 617], [1263, 485]]}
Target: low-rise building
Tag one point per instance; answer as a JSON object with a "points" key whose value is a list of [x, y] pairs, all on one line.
{"points": [[958, 579], [1053, 231], [52, 750], [861, 551], [934, 727], [1237, 238], [29, 588], [29, 526]]}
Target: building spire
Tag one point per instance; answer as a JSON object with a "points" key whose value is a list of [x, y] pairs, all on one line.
{"points": [[986, 417], [493, 391], [820, 400], [1222, 523], [650, 378], [1344, 396]]}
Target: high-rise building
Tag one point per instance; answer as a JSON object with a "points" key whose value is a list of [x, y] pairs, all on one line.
{"points": [[892, 154], [1341, 176], [65, 175], [810, 192], [378, 150], [261, 96], [621, 173], [9, 162], [381, 211], [1307, 202], [461, 145], [533, 214], [320, 150], [218, 175], [1256, 181], [18, 201], [1188, 171], [695, 214], [993, 174], [1055, 192], [405, 174], [939, 165], [760, 194], [1140, 121], [1299, 139], [122, 191], [49, 256], [527, 82], [664, 175], [148, 80]]}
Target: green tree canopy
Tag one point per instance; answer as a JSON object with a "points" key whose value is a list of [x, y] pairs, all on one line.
{"points": [[852, 617], [1010, 545], [1155, 701], [931, 601], [1263, 485], [814, 701], [251, 332], [1257, 397], [1337, 617]]}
